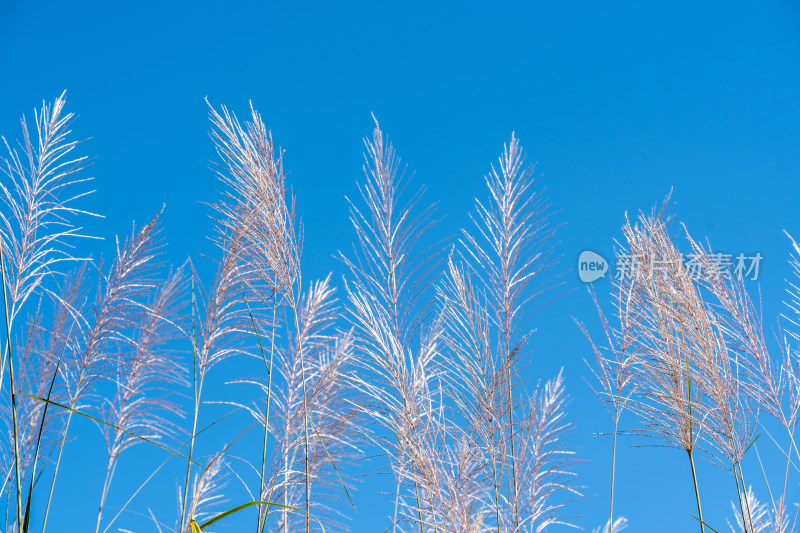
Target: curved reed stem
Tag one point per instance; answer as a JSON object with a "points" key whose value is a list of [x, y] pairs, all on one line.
{"points": [[696, 492]]}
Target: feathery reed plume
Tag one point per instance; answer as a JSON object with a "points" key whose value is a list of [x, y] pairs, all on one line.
{"points": [[120, 302], [619, 524], [616, 367], [255, 205], [544, 462], [389, 262], [390, 274], [36, 226], [327, 358], [256, 210], [671, 334], [476, 376], [759, 521], [142, 397], [39, 203], [488, 299], [694, 386], [512, 252], [737, 372]]}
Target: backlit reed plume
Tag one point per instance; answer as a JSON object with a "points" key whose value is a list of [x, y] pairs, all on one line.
{"points": [[670, 318], [692, 388], [257, 214], [388, 298], [327, 358], [144, 381], [489, 298], [40, 196], [37, 227], [103, 338]]}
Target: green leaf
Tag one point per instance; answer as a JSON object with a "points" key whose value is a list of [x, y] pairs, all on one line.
{"points": [[705, 524], [94, 418], [247, 505], [193, 525], [154, 472], [26, 524], [333, 464]]}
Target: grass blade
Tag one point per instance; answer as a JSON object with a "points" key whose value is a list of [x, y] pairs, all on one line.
{"points": [[333, 464], [247, 505], [146, 481], [94, 418], [26, 524]]}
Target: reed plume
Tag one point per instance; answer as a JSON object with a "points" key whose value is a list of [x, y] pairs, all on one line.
{"points": [[37, 224], [388, 298], [144, 381]]}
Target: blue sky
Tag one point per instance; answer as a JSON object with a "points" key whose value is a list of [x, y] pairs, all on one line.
{"points": [[617, 102]]}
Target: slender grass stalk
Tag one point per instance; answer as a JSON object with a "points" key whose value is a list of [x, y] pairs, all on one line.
{"points": [[307, 463], [269, 368], [39, 440], [613, 474], [13, 394], [196, 391], [106, 484], [266, 414], [691, 431], [55, 470], [696, 491], [746, 500]]}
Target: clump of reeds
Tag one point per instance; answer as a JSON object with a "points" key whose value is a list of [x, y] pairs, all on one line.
{"points": [[426, 359], [441, 355], [690, 360]]}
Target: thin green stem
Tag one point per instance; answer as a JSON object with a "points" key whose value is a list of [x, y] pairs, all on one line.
{"points": [[106, 484], [14, 424], [739, 498], [307, 466], [196, 391], [55, 471], [696, 491], [691, 432], [613, 475], [259, 526], [746, 501]]}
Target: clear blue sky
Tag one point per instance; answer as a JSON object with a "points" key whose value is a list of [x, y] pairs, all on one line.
{"points": [[618, 102]]}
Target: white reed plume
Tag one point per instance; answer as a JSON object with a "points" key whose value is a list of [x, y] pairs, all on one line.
{"points": [[489, 299], [39, 199], [143, 397], [36, 227], [619, 524], [390, 274]]}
